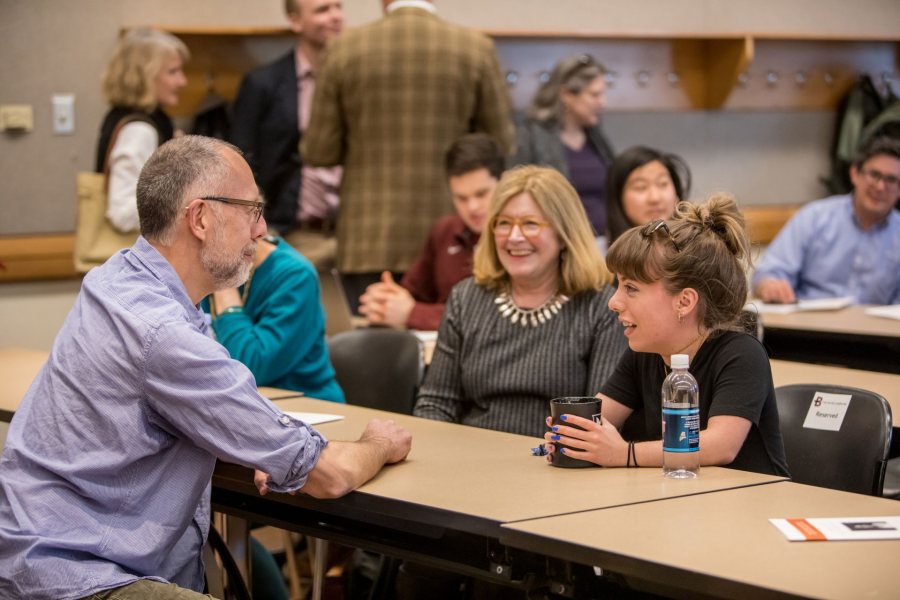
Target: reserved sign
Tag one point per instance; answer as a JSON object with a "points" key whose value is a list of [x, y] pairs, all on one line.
{"points": [[827, 411]]}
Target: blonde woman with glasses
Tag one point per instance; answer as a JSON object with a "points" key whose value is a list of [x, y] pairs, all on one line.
{"points": [[533, 322]]}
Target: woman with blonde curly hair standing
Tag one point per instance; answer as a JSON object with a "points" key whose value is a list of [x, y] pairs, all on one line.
{"points": [[144, 76]]}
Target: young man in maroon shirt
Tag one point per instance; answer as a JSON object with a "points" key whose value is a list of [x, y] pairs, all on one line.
{"points": [[474, 164]]}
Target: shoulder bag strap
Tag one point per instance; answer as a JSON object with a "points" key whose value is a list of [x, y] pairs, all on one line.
{"points": [[112, 141]]}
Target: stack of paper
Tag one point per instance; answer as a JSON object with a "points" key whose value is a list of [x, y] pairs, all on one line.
{"points": [[800, 305], [426, 337], [314, 418], [845, 528], [888, 312]]}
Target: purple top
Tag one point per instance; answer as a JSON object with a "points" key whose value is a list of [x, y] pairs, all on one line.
{"points": [[587, 173], [106, 473]]}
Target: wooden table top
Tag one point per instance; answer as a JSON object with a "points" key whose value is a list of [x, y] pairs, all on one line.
{"points": [[492, 476], [723, 544], [851, 321], [18, 368]]}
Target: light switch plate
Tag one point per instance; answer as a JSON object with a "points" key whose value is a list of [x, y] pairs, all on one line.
{"points": [[63, 113]]}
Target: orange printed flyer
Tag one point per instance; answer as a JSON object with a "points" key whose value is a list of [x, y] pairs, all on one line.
{"points": [[841, 528]]}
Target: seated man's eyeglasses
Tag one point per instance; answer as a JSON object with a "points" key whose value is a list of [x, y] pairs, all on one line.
{"points": [[876, 176], [256, 204], [529, 226]]}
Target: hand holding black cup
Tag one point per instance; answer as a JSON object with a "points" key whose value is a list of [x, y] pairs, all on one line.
{"points": [[587, 407]]}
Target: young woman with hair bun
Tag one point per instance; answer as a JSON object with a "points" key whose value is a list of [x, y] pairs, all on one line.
{"points": [[681, 286]]}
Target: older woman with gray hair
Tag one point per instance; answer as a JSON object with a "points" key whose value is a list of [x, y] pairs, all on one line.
{"points": [[562, 130]]}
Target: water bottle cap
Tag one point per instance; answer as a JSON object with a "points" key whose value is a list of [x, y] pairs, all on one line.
{"points": [[680, 361]]}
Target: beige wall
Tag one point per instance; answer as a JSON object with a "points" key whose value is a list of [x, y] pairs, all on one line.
{"points": [[53, 46]]}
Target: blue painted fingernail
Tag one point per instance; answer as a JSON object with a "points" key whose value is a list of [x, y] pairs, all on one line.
{"points": [[554, 437], [563, 450], [554, 428], [563, 417]]}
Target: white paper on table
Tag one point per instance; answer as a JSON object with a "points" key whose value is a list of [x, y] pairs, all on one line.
{"points": [[763, 308], [801, 305], [425, 336], [890, 312], [839, 529], [313, 418]]}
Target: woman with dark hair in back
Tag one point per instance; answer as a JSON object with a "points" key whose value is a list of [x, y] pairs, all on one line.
{"points": [[643, 184]]}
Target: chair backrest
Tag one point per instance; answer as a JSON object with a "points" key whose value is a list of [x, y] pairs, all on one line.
{"points": [[223, 576], [751, 322], [853, 458], [338, 317], [377, 367]]}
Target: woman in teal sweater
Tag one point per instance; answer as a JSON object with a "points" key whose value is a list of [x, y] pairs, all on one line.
{"points": [[275, 324]]}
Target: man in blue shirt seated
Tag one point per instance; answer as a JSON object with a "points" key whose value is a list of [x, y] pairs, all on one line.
{"points": [[105, 479], [843, 245]]}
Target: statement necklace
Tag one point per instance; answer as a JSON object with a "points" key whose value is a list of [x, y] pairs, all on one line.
{"points": [[530, 316]]}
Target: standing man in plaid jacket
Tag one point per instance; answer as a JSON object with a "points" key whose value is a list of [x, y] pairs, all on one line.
{"points": [[391, 97]]}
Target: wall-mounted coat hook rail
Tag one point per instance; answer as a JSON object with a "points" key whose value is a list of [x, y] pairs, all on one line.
{"points": [[610, 78]]}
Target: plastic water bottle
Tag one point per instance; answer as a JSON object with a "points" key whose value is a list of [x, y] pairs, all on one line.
{"points": [[680, 421]]}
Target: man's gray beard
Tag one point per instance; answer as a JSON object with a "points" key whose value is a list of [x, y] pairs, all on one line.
{"points": [[224, 273]]}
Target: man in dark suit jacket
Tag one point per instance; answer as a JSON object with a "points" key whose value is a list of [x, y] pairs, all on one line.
{"points": [[269, 116]]}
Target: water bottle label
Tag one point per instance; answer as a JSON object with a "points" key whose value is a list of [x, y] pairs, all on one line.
{"points": [[681, 429]]}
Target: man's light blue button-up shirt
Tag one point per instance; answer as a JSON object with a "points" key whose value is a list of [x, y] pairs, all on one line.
{"points": [[824, 253], [106, 473]]}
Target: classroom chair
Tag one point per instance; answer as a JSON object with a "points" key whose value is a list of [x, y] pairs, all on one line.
{"points": [[853, 458], [338, 317], [378, 367], [751, 322], [892, 479], [223, 577]]}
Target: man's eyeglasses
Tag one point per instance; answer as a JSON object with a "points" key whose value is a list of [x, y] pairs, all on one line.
{"points": [[529, 226], [256, 204], [875, 176], [653, 226]]}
